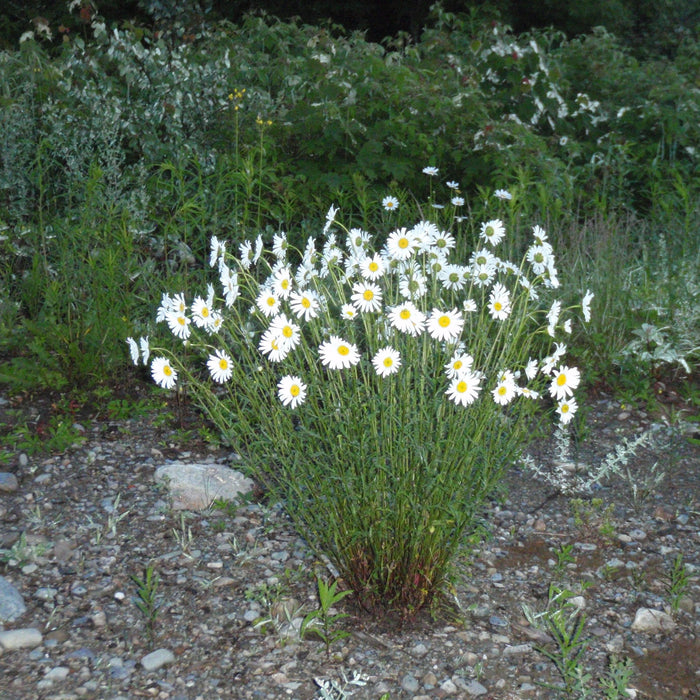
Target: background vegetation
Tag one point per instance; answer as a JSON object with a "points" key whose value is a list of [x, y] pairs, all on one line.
{"points": [[126, 143]]}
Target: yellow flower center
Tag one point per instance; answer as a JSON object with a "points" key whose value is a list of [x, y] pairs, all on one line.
{"points": [[565, 408], [405, 314], [368, 295], [461, 387], [223, 364], [294, 390], [181, 320], [271, 301], [284, 284], [274, 345], [502, 391], [498, 306], [343, 350], [205, 312], [373, 267], [306, 302], [561, 379], [388, 362], [403, 242], [167, 371], [444, 321], [287, 332], [457, 365]]}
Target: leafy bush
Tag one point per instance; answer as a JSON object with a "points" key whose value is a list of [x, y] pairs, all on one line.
{"points": [[380, 393]]}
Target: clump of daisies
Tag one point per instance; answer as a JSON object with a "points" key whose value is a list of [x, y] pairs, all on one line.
{"points": [[378, 388]]}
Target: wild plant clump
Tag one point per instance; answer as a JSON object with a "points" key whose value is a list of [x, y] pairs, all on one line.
{"points": [[379, 391]]}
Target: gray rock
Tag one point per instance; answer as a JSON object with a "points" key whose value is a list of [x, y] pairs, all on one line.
{"points": [[448, 687], [11, 602], [517, 650], [474, 689], [409, 683], [419, 650], [57, 673], [157, 658], [196, 486], [27, 637], [8, 482], [652, 621]]}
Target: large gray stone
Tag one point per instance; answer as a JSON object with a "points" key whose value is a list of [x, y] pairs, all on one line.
{"points": [[157, 658], [20, 639], [652, 621], [196, 486], [11, 602], [8, 482]]}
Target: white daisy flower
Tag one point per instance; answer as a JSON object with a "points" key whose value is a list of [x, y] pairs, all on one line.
{"points": [[553, 316], [291, 391], [430, 170], [162, 372], [424, 233], [505, 389], [566, 409], [539, 256], [400, 244], [540, 236], [145, 349], [268, 302], [179, 324], [217, 321], [443, 241], [201, 312], [390, 203], [337, 353], [445, 325], [451, 277], [452, 184], [531, 369], [502, 194], [219, 365], [348, 312], [133, 350], [469, 306], [386, 361], [586, 305], [245, 250], [564, 381], [286, 330], [366, 297], [459, 364], [258, 249], [218, 251], [464, 388], [457, 201], [499, 302], [358, 240], [305, 304], [229, 281], [272, 345], [527, 392], [280, 245], [372, 268], [493, 231], [412, 285], [330, 218], [406, 318], [282, 283]]}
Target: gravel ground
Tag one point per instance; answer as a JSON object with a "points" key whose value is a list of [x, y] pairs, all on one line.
{"points": [[77, 526]]}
